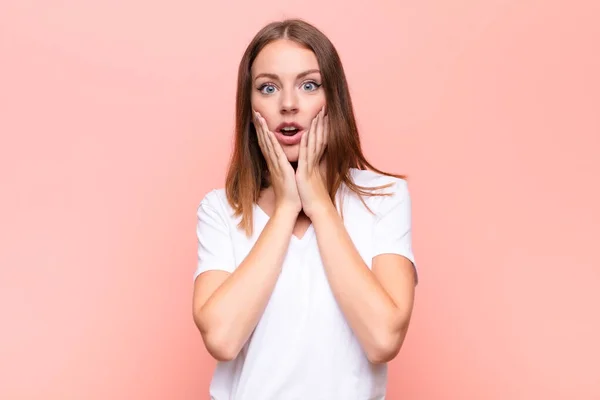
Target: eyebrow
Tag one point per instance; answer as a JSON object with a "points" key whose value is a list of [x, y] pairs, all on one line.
{"points": [[274, 76]]}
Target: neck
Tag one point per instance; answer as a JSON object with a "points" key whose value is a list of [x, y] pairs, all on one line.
{"points": [[322, 165]]}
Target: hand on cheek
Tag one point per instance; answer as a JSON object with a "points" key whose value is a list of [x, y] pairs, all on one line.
{"points": [[281, 173], [311, 182]]}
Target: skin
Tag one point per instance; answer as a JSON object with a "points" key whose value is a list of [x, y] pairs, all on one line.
{"points": [[287, 88], [289, 92], [227, 306]]}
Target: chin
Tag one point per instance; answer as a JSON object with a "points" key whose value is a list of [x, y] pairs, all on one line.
{"points": [[292, 154]]}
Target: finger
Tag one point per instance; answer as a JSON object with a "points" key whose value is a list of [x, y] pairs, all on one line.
{"points": [[319, 136], [325, 135], [263, 141], [268, 143], [272, 144], [314, 136], [302, 156], [259, 134], [310, 141], [255, 119], [277, 149]]}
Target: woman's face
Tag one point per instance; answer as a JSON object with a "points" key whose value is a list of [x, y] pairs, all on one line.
{"points": [[286, 91]]}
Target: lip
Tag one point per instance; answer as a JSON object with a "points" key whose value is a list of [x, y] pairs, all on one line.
{"points": [[287, 125], [289, 140]]}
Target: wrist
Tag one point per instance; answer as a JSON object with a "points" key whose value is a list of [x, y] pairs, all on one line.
{"points": [[321, 210], [286, 212]]}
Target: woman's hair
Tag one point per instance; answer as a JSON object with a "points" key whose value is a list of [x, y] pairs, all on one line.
{"points": [[248, 172]]}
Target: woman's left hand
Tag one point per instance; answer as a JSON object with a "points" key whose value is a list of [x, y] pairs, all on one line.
{"points": [[310, 176]]}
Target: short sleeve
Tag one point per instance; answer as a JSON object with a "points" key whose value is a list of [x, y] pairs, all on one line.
{"points": [[215, 250], [392, 233]]}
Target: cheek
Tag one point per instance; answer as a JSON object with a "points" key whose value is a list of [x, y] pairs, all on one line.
{"points": [[255, 102], [318, 104], [266, 109], [259, 103]]}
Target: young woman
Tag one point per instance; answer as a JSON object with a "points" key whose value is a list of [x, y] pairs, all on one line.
{"points": [[305, 278]]}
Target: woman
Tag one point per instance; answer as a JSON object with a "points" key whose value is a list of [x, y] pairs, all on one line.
{"points": [[305, 279]]}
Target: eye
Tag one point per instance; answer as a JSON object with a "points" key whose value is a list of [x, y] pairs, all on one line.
{"points": [[267, 88], [310, 86]]}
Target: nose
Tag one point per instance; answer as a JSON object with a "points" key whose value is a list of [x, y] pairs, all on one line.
{"points": [[289, 102]]}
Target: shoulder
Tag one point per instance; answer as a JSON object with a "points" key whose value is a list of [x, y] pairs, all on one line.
{"points": [[390, 194], [396, 188], [215, 201], [214, 197], [370, 178]]}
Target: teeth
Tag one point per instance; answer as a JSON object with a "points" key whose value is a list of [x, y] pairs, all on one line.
{"points": [[289, 128]]}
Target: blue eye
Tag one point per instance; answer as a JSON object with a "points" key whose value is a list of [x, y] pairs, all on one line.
{"points": [[310, 86], [270, 89]]}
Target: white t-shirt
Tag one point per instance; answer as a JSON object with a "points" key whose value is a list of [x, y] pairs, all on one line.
{"points": [[302, 347]]}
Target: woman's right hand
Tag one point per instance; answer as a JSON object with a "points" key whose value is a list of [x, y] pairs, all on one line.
{"points": [[281, 173]]}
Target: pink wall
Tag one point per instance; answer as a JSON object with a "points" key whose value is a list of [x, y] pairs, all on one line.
{"points": [[116, 117]]}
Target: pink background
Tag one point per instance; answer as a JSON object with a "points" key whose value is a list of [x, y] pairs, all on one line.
{"points": [[116, 118]]}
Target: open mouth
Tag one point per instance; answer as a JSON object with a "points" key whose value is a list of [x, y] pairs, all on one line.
{"points": [[289, 128], [290, 131]]}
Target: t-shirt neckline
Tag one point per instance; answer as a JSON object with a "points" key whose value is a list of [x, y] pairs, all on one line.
{"points": [[308, 234]]}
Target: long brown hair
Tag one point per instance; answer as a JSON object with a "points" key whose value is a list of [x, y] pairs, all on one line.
{"points": [[248, 173]]}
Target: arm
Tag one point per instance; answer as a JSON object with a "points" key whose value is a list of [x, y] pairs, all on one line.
{"points": [[227, 306], [377, 302]]}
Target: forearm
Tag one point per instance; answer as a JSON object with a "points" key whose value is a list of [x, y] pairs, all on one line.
{"points": [[377, 322], [234, 309]]}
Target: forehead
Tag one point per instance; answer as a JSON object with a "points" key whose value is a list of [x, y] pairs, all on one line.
{"points": [[284, 58]]}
